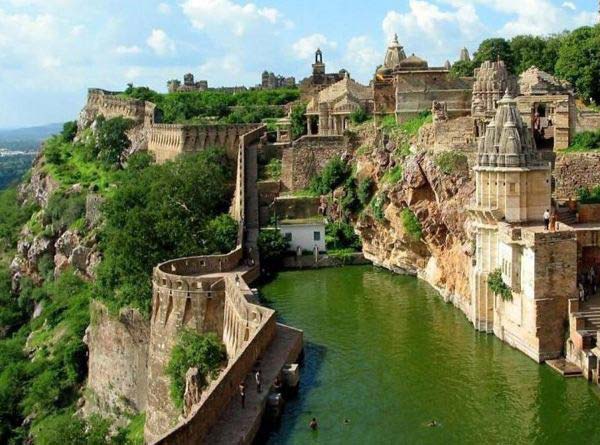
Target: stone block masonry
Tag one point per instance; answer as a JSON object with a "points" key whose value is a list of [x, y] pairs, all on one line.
{"points": [[307, 157], [574, 171]]}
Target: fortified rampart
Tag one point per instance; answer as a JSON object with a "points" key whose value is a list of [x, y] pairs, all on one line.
{"points": [[110, 104], [168, 141], [307, 157]]}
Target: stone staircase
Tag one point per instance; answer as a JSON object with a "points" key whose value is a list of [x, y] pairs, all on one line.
{"points": [[566, 216], [590, 311]]}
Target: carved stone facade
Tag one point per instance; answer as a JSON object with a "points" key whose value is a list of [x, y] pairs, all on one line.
{"points": [[540, 266], [328, 112]]}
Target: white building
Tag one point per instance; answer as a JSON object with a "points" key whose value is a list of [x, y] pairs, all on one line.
{"points": [[305, 234]]}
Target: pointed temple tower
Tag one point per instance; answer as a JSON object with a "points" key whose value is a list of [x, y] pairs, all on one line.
{"points": [[513, 188]]}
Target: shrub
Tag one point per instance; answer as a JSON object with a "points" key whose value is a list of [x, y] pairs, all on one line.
{"points": [[298, 119], [272, 247], [498, 286], [112, 140], [587, 196], [588, 140], [12, 217], [64, 209], [350, 203], [393, 176], [340, 235], [411, 224], [203, 351], [273, 169], [450, 161], [222, 233], [365, 191], [69, 131], [359, 116], [412, 126], [333, 175], [378, 205]]}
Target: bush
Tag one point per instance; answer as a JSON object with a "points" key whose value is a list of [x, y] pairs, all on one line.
{"points": [[340, 235], [393, 176], [272, 247], [112, 140], [12, 217], [365, 191], [377, 205], [350, 203], [69, 131], [273, 169], [498, 286], [359, 116], [222, 233], [298, 119], [587, 196], [587, 140], [333, 175], [451, 161], [64, 209], [203, 351], [411, 224]]}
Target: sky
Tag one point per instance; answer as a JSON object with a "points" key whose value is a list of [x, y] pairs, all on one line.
{"points": [[51, 51]]}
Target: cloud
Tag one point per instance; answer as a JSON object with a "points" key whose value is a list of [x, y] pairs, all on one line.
{"points": [[305, 47], [569, 5], [50, 62], [160, 42], [122, 49], [77, 30], [228, 15], [164, 8], [362, 57]]}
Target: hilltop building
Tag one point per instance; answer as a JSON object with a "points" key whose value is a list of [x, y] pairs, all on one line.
{"points": [[189, 84], [270, 81], [328, 112], [319, 79], [407, 86]]}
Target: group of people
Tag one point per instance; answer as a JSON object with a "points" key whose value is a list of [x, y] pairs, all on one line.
{"points": [[587, 284]]}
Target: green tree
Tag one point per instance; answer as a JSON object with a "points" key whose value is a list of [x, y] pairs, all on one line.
{"points": [[530, 51], [298, 119], [272, 247], [579, 62], [463, 68], [69, 131], [333, 175], [494, 49], [112, 139], [203, 351], [359, 116], [221, 233]]}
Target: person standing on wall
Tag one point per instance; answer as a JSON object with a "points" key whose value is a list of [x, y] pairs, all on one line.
{"points": [[546, 219]]}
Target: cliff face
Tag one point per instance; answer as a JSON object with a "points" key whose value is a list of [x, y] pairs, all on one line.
{"points": [[118, 361], [437, 195]]}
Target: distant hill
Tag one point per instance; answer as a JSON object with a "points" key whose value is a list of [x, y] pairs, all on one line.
{"points": [[27, 139]]}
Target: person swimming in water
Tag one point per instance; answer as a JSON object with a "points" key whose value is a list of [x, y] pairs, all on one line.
{"points": [[313, 425]]}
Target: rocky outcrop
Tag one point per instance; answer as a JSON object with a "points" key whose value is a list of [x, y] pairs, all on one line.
{"points": [[438, 200], [41, 185], [118, 361]]}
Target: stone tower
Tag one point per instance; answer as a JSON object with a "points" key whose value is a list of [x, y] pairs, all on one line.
{"points": [[513, 191], [394, 55], [491, 81], [464, 55], [318, 66]]}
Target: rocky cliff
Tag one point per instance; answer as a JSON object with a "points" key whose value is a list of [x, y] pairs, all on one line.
{"points": [[435, 186]]}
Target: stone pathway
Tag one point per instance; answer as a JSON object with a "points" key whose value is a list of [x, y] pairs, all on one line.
{"points": [[239, 425]]}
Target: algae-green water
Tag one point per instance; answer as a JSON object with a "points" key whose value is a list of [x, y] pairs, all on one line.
{"points": [[386, 353]]}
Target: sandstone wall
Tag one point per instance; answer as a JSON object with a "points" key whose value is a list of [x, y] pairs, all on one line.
{"points": [[452, 134], [109, 104], [167, 141], [118, 361], [588, 120], [589, 213], [306, 158], [573, 171]]}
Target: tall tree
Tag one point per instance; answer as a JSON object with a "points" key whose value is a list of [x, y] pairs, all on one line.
{"points": [[493, 49]]}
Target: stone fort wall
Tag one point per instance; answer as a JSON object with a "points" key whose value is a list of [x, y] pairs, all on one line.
{"points": [[573, 171], [110, 105]]}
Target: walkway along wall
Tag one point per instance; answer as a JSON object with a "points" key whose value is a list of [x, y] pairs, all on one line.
{"points": [[206, 294]]}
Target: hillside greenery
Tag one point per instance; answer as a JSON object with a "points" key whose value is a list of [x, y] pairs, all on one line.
{"points": [[199, 107], [585, 141], [571, 55], [43, 360]]}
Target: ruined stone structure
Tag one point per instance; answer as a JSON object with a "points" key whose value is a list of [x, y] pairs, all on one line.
{"points": [[407, 86], [328, 112], [270, 81], [573, 171], [110, 104], [307, 157], [464, 55], [513, 190], [550, 106], [190, 85], [320, 79]]}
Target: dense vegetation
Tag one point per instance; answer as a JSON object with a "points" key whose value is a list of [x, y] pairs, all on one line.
{"points": [[497, 285], [587, 196], [13, 167], [572, 56], [43, 360], [197, 107], [193, 350]]}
